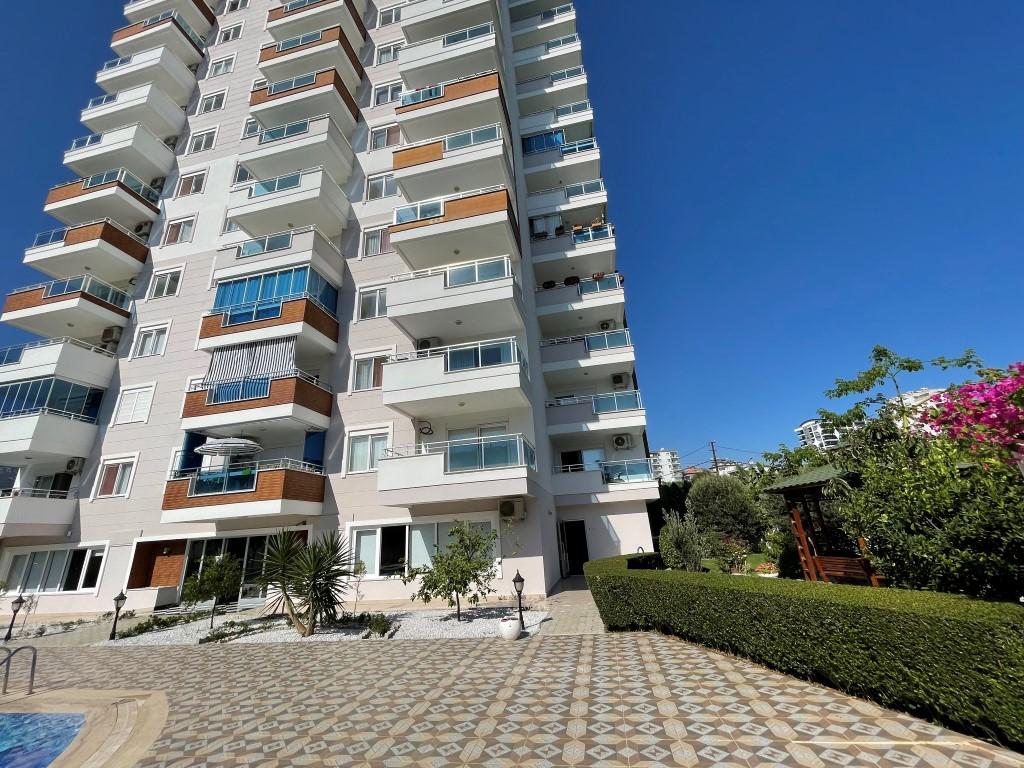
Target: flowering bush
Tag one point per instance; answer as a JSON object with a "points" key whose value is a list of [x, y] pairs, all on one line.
{"points": [[984, 414], [766, 568]]}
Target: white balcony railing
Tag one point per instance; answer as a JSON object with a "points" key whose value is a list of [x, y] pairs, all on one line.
{"points": [[432, 209], [615, 472], [83, 284], [237, 478], [251, 387], [452, 141], [611, 402], [464, 273], [474, 454], [435, 91], [12, 355], [594, 341], [471, 356], [53, 236]]}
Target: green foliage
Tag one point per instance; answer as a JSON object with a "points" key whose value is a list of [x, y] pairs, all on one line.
{"points": [[464, 569], [219, 580], [319, 580], [943, 657], [283, 551], [155, 623], [725, 504], [683, 543], [379, 624], [732, 552]]}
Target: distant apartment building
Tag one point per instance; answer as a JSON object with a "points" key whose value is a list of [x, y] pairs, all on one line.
{"points": [[324, 266], [819, 434], [915, 403], [666, 465]]}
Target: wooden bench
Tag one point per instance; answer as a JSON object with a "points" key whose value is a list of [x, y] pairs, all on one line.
{"points": [[856, 569]]}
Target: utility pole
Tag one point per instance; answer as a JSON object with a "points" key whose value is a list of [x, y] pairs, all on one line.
{"points": [[714, 459]]}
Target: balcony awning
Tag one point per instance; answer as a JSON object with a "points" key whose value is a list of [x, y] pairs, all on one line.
{"points": [[258, 358], [229, 446]]}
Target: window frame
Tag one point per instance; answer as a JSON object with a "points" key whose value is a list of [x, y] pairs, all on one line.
{"points": [[386, 128], [165, 326], [240, 5], [204, 173], [396, 16], [93, 547], [394, 47], [150, 294], [128, 389], [230, 60], [368, 357], [388, 87], [370, 431], [111, 460], [378, 289], [365, 238], [193, 218], [384, 189], [205, 132], [221, 94]]}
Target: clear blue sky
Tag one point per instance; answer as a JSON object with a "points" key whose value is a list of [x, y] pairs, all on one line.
{"points": [[793, 182]]}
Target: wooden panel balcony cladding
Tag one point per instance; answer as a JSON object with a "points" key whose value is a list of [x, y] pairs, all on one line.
{"points": [[330, 36], [76, 188], [108, 233], [295, 311], [33, 297], [467, 207], [276, 14], [157, 564], [460, 90], [282, 392], [271, 485], [329, 77], [134, 29], [425, 153]]}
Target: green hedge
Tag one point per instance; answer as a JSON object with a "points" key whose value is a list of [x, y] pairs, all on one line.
{"points": [[947, 658]]}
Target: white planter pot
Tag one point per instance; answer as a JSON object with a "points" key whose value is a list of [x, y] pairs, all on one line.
{"points": [[509, 630], [768, 575]]}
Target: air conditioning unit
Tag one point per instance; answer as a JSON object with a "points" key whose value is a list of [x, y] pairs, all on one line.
{"points": [[171, 142], [621, 380], [609, 325], [158, 183], [75, 465], [622, 442], [429, 343], [512, 509], [144, 229], [111, 334]]}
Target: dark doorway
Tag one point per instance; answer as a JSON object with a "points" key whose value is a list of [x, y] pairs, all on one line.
{"points": [[574, 536]]}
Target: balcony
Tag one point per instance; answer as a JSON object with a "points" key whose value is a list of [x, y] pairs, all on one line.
{"points": [[294, 248], [197, 13], [568, 165], [451, 56], [82, 306], [459, 470], [452, 106], [164, 30], [292, 402], [557, 54], [583, 201], [303, 144], [598, 356], [302, 16], [278, 492], [64, 358], [426, 19], [548, 91], [472, 159], [310, 196], [576, 306], [549, 24], [45, 434], [116, 194], [30, 512], [312, 52], [612, 412], [145, 104], [133, 147], [576, 119], [297, 98], [314, 326], [103, 248], [479, 221], [158, 66], [607, 482], [478, 298], [479, 377], [576, 249]]}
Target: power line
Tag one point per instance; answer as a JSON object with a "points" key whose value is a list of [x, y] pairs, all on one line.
{"points": [[742, 450]]}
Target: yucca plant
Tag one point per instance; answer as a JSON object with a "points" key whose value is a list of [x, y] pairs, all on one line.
{"points": [[280, 564], [321, 580]]}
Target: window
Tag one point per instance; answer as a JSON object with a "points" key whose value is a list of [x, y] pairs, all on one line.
{"points": [[388, 53], [373, 303], [227, 64], [230, 226], [150, 341], [242, 174], [165, 284], [385, 94], [364, 451], [251, 128], [369, 373], [180, 231], [133, 405], [30, 395], [389, 550], [115, 477], [381, 186], [212, 103], [389, 16], [55, 570], [542, 142], [260, 83], [387, 136], [376, 242], [235, 5], [263, 294], [192, 184], [200, 142]]}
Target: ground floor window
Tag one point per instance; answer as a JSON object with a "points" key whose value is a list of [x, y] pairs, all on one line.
{"points": [[55, 570], [393, 550], [248, 550]]}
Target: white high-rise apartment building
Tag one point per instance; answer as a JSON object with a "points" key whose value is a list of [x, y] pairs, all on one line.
{"points": [[819, 434], [667, 466], [324, 266]]}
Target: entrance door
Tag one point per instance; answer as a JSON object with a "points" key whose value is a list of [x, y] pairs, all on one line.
{"points": [[574, 536]]}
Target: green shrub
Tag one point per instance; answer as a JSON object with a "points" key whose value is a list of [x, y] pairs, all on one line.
{"points": [[947, 658], [379, 624], [682, 543], [155, 623]]}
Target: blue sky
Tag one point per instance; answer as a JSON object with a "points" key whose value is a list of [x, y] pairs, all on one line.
{"points": [[792, 182]]}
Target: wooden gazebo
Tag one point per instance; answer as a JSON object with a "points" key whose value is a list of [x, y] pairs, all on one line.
{"points": [[825, 554]]}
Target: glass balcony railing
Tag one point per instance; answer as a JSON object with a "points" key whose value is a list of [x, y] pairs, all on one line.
{"points": [[572, 109], [290, 84], [294, 5], [236, 478], [612, 402], [99, 101], [584, 188], [592, 234], [632, 471], [250, 387], [86, 141], [599, 284], [464, 35], [296, 42], [466, 273], [583, 145], [561, 10], [432, 209], [58, 235], [560, 42], [609, 340], [84, 284], [278, 184], [12, 355], [264, 309], [115, 63], [566, 74], [191, 34], [467, 357], [423, 94], [478, 453], [470, 138], [279, 132], [279, 242], [125, 177]]}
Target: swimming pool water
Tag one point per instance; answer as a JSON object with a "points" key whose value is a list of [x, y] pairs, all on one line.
{"points": [[29, 740]]}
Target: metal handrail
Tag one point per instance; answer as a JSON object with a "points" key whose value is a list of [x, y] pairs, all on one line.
{"points": [[405, 98], [447, 269], [584, 338], [4, 351], [255, 466], [555, 77], [449, 35], [272, 90], [518, 357], [425, 449], [296, 41], [106, 292], [617, 279], [633, 401], [198, 40], [280, 300], [571, 107], [601, 465], [43, 410], [51, 236], [290, 373], [418, 208], [7, 666], [568, 189], [36, 493], [447, 136], [272, 243]]}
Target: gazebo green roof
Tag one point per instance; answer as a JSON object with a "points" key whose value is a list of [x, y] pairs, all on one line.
{"points": [[810, 479]]}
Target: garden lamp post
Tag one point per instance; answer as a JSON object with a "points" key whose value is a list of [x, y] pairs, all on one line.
{"points": [[518, 583], [16, 604], [119, 601]]}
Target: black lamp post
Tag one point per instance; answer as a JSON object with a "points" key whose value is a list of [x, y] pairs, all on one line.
{"points": [[16, 604], [518, 583], [119, 601]]}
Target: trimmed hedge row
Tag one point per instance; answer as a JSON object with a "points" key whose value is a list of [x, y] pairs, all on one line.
{"points": [[946, 658]]}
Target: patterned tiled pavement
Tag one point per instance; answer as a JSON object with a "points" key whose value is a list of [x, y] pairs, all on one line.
{"points": [[595, 700]]}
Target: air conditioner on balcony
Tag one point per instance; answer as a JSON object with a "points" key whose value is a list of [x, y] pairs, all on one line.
{"points": [[75, 465], [422, 345], [171, 142], [512, 509], [622, 442], [621, 380], [609, 325], [144, 229], [158, 183]]}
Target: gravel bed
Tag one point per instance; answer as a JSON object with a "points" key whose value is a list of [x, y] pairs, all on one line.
{"points": [[478, 622], [180, 634]]}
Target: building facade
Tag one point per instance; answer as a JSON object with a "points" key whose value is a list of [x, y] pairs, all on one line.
{"points": [[323, 266], [667, 466], [817, 433]]}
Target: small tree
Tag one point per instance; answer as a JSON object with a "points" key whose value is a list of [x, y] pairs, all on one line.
{"points": [[682, 542], [219, 580], [320, 579], [279, 563], [725, 505], [358, 574], [464, 569]]}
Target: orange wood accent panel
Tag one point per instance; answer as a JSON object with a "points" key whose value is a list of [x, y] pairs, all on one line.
{"points": [[282, 392], [271, 485], [464, 208], [296, 311], [108, 233], [77, 188], [426, 153], [152, 568], [328, 36], [277, 14], [456, 91], [34, 298], [329, 77], [134, 29]]}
